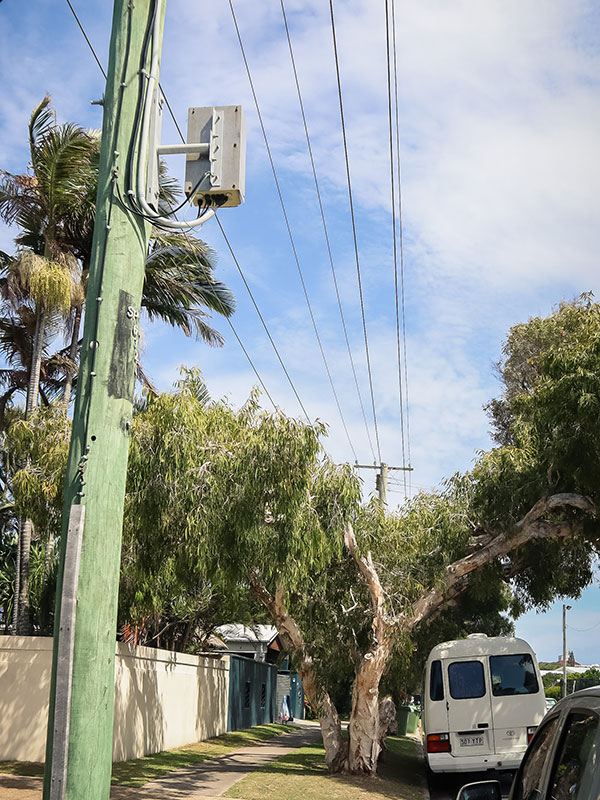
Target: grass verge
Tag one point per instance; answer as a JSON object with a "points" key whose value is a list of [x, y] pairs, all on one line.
{"points": [[138, 771], [303, 774]]}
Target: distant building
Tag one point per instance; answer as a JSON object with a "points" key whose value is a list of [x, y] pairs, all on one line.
{"points": [[260, 642]]}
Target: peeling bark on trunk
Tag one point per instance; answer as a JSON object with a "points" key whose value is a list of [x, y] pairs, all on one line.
{"points": [[365, 731], [336, 747]]}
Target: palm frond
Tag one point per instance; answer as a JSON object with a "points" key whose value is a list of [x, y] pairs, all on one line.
{"points": [[64, 167], [18, 195], [40, 124], [179, 285]]}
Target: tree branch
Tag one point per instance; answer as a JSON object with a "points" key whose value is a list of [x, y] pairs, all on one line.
{"points": [[532, 527]]}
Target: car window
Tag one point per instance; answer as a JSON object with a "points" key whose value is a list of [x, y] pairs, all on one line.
{"points": [[466, 679], [530, 774], [513, 674], [436, 687], [577, 759]]}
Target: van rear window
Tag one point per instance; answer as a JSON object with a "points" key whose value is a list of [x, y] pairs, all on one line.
{"points": [[436, 687], [514, 674], [466, 679]]}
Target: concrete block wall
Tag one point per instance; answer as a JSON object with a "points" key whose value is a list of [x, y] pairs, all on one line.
{"points": [[162, 699]]}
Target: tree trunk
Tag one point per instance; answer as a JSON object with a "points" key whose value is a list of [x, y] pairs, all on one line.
{"points": [[15, 611], [72, 356], [24, 612], [365, 731], [336, 747], [33, 387]]}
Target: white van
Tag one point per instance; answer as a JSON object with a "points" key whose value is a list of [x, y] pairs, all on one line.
{"points": [[482, 701]]}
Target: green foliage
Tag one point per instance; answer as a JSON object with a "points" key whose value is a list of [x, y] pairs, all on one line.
{"points": [[40, 444], [216, 495]]}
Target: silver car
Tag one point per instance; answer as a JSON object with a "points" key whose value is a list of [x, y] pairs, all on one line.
{"points": [[562, 761]]}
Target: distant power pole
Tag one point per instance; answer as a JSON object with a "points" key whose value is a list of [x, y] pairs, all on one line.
{"points": [[381, 479], [80, 724], [564, 632]]}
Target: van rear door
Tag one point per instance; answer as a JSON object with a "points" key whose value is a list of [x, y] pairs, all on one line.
{"points": [[517, 700], [469, 707]]}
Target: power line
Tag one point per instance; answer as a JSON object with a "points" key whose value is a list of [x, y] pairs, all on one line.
{"points": [[186, 234], [362, 306], [325, 231], [395, 249], [287, 375], [583, 630], [288, 227], [86, 38], [401, 232]]}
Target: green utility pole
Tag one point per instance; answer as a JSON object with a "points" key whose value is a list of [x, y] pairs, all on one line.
{"points": [[80, 725]]}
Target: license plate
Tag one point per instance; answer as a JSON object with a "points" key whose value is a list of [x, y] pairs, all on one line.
{"points": [[470, 741]]}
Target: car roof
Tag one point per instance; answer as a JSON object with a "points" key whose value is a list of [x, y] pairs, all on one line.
{"points": [[593, 691]]}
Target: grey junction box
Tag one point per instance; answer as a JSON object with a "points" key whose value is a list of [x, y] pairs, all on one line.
{"points": [[217, 175]]}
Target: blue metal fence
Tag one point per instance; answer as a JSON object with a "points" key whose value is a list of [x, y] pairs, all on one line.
{"points": [[252, 693]]}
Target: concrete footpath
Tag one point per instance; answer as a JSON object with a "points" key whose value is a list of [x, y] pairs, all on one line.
{"points": [[203, 781]]}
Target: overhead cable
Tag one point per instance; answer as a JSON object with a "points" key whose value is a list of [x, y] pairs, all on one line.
{"points": [[288, 227], [401, 233], [85, 36], [325, 231], [243, 277], [362, 305], [394, 242]]}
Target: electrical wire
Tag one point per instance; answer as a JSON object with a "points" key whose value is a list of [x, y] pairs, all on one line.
{"points": [[401, 241], [243, 277], [325, 231], [394, 242], [289, 230], [583, 630], [185, 232], [86, 38], [352, 216]]}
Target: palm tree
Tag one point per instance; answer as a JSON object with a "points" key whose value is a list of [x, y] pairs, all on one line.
{"points": [[54, 207], [44, 275]]}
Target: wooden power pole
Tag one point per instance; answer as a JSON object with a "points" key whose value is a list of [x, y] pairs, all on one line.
{"points": [[381, 479], [80, 725]]}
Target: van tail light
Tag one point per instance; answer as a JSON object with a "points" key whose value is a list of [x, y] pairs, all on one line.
{"points": [[438, 743], [530, 731]]}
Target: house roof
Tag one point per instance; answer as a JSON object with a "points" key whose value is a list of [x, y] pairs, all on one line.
{"points": [[265, 634]]}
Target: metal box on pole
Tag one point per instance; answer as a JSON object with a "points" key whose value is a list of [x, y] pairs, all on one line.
{"points": [[216, 175]]}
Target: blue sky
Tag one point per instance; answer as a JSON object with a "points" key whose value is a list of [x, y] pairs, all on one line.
{"points": [[499, 122]]}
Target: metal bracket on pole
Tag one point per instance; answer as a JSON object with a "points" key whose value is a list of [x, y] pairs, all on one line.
{"points": [[64, 655]]}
